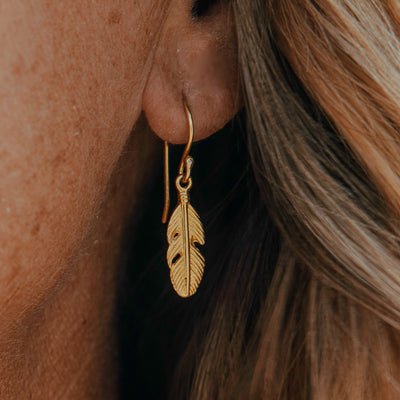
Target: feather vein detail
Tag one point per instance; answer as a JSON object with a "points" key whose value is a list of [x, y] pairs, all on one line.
{"points": [[184, 259]]}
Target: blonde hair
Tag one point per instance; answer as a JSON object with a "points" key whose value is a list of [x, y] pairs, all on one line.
{"points": [[321, 80]]}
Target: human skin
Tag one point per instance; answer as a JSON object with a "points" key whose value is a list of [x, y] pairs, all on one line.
{"points": [[74, 80]]}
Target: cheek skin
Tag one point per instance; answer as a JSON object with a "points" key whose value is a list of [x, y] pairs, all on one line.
{"points": [[71, 79]]}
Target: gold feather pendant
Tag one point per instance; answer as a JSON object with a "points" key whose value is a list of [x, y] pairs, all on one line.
{"points": [[184, 231]]}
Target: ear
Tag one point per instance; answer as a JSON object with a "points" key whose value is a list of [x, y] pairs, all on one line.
{"points": [[195, 60]]}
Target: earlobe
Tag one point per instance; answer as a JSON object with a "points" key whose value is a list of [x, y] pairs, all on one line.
{"points": [[195, 60]]}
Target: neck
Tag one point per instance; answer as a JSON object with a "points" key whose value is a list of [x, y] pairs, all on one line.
{"points": [[67, 347]]}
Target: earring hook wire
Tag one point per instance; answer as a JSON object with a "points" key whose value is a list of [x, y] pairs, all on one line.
{"points": [[184, 160], [184, 166]]}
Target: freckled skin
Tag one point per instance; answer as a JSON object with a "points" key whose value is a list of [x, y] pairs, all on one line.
{"points": [[71, 80], [59, 97]]}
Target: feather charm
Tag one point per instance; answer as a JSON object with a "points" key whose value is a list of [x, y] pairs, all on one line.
{"points": [[184, 230]]}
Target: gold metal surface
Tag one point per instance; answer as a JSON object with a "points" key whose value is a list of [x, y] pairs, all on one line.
{"points": [[166, 183], [188, 144], [185, 229]]}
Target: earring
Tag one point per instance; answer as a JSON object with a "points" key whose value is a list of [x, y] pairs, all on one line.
{"points": [[185, 229]]}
